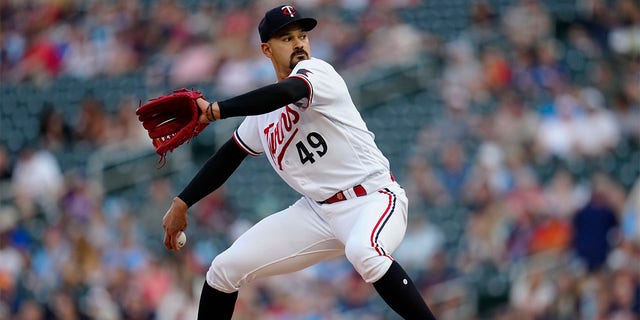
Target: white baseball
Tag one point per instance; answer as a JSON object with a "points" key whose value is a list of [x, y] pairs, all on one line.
{"points": [[182, 239]]}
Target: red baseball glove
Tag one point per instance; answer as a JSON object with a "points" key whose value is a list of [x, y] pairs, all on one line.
{"points": [[171, 120]]}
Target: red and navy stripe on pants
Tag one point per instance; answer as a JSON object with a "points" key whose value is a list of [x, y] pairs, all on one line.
{"points": [[384, 218]]}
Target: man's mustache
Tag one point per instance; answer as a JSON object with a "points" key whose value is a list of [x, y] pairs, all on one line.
{"points": [[297, 52]]}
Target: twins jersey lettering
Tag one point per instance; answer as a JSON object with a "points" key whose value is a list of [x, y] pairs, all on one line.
{"points": [[320, 144]]}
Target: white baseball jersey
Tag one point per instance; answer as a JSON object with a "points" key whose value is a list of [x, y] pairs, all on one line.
{"points": [[319, 145]]}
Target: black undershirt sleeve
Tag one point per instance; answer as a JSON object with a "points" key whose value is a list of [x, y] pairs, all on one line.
{"points": [[224, 162], [213, 173], [265, 99]]}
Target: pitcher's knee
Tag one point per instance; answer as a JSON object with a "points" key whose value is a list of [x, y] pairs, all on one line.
{"points": [[224, 274], [368, 262]]}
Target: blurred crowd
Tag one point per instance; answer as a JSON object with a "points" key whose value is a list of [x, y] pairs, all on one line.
{"points": [[524, 190], [180, 44]]}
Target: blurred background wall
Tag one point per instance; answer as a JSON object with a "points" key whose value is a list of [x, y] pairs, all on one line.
{"points": [[514, 125]]}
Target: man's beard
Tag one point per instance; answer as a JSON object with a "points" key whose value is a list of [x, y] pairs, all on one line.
{"points": [[294, 58]]}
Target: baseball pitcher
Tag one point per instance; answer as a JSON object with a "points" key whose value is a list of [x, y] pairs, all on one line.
{"points": [[315, 139]]}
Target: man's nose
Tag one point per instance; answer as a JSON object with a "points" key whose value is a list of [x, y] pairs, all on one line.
{"points": [[298, 44]]}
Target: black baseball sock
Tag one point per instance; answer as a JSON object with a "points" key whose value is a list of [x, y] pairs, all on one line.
{"points": [[399, 292], [216, 305]]}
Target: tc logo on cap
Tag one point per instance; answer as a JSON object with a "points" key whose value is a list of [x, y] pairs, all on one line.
{"points": [[288, 10]]}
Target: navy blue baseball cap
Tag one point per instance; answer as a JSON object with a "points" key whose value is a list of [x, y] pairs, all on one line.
{"points": [[280, 17]]}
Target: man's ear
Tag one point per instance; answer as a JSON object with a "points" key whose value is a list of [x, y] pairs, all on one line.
{"points": [[266, 50]]}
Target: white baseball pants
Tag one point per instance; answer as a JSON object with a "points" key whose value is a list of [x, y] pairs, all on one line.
{"points": [[366, 229]]}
